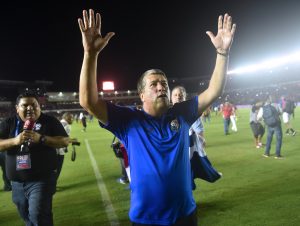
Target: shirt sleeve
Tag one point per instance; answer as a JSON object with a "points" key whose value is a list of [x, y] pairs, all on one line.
{"points": [[259, 114], [188, 109], [197, 126], [118, 119]]}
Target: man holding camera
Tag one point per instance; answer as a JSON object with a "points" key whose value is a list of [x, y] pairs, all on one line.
{"points": [[66, 121], [30, 139]]}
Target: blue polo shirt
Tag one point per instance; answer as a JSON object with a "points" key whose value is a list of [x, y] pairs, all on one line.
{"points": [[158, 154]]}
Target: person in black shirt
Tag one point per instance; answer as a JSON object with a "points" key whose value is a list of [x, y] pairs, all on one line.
{"points": [[31, 158], [6, 182]]}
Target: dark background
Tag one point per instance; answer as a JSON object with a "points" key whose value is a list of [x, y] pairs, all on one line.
{"points": [[42, 41]]}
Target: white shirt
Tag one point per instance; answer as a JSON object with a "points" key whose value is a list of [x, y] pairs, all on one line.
{"points": [[67, 127]]}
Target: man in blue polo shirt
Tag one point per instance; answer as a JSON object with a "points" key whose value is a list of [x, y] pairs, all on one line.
{"points": [[156, 137]]}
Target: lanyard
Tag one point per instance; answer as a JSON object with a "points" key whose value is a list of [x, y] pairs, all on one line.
{"points": [[17, 128]]}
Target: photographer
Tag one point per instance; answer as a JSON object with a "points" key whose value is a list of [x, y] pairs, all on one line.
{"points": [[66, 121], [121, 153]]}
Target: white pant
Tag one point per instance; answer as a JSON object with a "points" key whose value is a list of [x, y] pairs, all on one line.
{"points": [[285, 117], [232, 119]]}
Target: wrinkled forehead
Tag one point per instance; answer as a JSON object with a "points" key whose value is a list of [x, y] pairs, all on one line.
{"points": [[155, 77]]}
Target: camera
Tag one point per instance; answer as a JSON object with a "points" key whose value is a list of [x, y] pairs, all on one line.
{"points": [[116, 146], [76, 143]]}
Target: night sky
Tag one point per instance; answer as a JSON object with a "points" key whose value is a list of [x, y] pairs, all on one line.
{"points": [[43, 42]]}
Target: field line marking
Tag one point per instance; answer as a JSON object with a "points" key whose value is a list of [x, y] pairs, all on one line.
{"points": [[109, 209]]}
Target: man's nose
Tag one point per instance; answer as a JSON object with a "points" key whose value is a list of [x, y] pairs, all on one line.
{"points": [[29, 107], [160, 86]]}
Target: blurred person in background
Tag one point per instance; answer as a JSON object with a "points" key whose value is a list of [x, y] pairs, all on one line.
{"points": [[226, 110], [121, 153], [82, 118], [200, 165], [6, 181], [66, 121], [233, 118], [271, 116], [257, 128], [206, 115], [287, 111]]}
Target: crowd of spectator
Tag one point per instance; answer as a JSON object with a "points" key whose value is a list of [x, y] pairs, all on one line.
{"points": [[237, 96]]}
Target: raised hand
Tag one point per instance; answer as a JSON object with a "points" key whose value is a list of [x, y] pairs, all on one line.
{"points": [[92, 40], [223, 40]]}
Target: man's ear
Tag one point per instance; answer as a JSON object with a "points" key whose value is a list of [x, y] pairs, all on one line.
{"points": [[142, 97]]}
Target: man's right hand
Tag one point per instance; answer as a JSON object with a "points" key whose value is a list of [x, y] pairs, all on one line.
{"points": [[90, 28]]}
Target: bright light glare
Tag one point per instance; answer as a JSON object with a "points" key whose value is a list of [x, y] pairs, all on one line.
{"points": [[268, 64], [108, 85]]}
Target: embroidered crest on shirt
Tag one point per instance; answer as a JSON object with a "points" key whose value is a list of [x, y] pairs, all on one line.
{"points": [[174, 125], [37, 126]]}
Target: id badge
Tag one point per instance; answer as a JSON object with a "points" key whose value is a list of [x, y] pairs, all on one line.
{"points": [[23, 162]]}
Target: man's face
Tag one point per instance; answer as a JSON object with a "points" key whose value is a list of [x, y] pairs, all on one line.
{"points": [[28, 107], [178, 95], [156, 91], [69, 119]]}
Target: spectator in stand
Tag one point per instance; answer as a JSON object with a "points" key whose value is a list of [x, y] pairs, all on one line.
{"points": [[226, 112]]}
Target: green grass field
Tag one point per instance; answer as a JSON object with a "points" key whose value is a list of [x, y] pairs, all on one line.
{"points": [[254, 191]]}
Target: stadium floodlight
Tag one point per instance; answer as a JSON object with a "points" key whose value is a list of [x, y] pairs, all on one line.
{"points": [[268, 64], [108, 85]]}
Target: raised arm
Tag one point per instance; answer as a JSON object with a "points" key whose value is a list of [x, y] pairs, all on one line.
{"points": [[93, 43], [222, 42]]}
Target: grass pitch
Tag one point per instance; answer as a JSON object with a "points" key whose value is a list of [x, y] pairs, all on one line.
{"points": [[254, 191]]}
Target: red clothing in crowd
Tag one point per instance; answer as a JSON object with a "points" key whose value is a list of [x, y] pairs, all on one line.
{"points": [[227, 110]]}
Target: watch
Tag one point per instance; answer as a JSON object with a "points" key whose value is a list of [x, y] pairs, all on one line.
{"points": [[42, 139]]}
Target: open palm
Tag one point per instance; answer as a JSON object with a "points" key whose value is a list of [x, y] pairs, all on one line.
{"points": [[223, 40], [91, 35]]}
